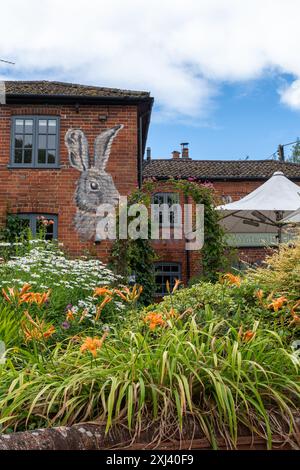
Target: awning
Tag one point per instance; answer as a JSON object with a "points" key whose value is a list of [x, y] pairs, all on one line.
{"points": [[263, 210], [294, 218]]}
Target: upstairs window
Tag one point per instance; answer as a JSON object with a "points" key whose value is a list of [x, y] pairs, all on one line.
{"points": [[35, 141], [36, 222], [166, 272], [169, 199]]}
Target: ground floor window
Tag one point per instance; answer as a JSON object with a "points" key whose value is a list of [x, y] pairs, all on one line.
{"points": [[37, 221], [164, 272]]}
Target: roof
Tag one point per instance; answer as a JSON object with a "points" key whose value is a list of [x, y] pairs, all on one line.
{"points": [[209, 170], [58, 93], [62, 89]]}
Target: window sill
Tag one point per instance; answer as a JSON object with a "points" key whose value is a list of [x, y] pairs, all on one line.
{"points": [[15, 167]]}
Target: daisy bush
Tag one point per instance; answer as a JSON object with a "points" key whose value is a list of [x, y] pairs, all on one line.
{"points": [[70, 282]]}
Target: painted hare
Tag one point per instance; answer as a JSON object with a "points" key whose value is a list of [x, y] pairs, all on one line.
{"points": [[95, 186]]}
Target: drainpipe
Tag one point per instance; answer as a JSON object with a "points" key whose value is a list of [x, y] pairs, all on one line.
{"points": [[140, 157]]}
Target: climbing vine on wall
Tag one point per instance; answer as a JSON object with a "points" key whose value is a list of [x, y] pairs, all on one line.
{"points": [[214, 254], [137, 256], [134, 259]]}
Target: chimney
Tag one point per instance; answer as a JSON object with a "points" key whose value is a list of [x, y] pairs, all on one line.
{"points": [[148, 154], [175, 154], [185, 150]]}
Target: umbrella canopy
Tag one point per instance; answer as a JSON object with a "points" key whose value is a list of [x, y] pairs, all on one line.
{"points": [[263, 210], [294, 218]]}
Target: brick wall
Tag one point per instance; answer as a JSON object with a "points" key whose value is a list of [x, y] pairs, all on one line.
{"points": [[174, 250], [52, 190]]}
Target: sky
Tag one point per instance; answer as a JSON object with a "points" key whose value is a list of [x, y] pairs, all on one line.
{"points": [[225, 74]]}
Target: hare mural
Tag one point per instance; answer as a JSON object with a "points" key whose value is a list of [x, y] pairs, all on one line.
{"points": [[95, 186]]}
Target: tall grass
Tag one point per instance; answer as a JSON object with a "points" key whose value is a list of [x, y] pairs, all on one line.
{"points": [[208, 374]]}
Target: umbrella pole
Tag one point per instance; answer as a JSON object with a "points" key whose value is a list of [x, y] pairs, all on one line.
{"points": [[279, 234]]}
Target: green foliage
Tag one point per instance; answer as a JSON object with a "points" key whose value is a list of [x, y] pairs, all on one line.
{"points": [[71, 283], [13, 229], [214, 257], [219, 356], [205, 372], [281, 271], [136, 257], [295, 156]]}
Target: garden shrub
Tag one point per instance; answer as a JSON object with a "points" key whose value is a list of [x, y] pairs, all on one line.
{"points": [[281, 271]]}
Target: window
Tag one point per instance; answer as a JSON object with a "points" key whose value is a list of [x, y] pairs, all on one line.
{"points": [[37, 221], [34, 141], [169, 199], [166, 272]]}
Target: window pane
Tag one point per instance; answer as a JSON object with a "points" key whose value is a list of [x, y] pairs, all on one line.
{"points": [[19, 125], [28, 126], [166, 268], [174, 269], [42, 142], [51, 156], [49, 229], [28, 141], [27, 156], [18, 141], [42, 126], [18, 156], [42, 156], [172, 198], [51, 141], [52, 126]]}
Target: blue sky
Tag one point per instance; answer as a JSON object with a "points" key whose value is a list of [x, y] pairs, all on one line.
{"points": [[225, 74], [245, 120]]}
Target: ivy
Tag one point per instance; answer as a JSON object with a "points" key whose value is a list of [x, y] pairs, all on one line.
{"points": [[135, 258], [214, 253]]}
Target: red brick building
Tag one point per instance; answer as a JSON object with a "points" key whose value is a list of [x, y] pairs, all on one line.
{"points": [[61, 144], [232, 180], [36, 176]]}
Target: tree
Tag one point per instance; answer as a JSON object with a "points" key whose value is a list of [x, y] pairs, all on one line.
{"points": [[295, 155]]}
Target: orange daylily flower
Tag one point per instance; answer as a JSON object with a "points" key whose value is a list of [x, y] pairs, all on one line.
{"points": [[232, 279], [70, 315], [248, 335], [100, 307], [93, 344], [154, 319], [36, 297], [171, 313], [277, 304], [176, 285], [14, 294], [129, 295], [84, 314], [259, 294], [36, 329], [296, 318], [99, 291]]}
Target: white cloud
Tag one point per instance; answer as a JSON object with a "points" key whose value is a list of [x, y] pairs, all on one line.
{"points": [[182, 51], [290, 95]]}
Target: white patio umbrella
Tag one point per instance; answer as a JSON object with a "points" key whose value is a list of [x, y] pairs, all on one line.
{"points": [[263, 210], [294, 218]]}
